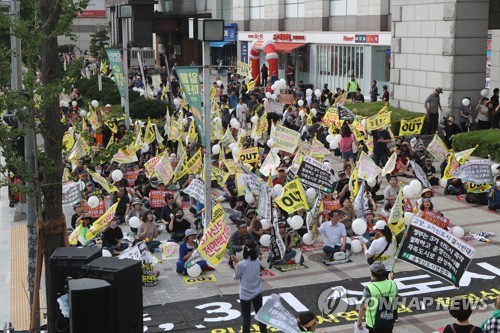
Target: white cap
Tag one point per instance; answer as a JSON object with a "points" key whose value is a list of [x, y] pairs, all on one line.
{"points": [[380, 225]]}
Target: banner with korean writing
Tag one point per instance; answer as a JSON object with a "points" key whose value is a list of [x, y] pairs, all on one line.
{"points": [[264, 207], [189, 78], [316, 175], [274, 314], [101, 222], [286, 99], [293, 197], [412, 126], [163, 170], [131, 176], [285, 139], [215, 238], [71, 193], [157, 198], [115, 62], [378, 121], [194, 163], [97, 211], [437, 148], [249, 155], [367, 169], [436, 250], [331, 117], [476, 171], [420, 174], [103, 182], [196, 190], [436, 218]]}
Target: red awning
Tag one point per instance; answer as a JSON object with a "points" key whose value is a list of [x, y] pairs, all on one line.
{"points": [[287, 47]]}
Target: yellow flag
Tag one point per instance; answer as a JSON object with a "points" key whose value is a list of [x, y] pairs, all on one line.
{"points": [[293, 197], [396, 220], [451, 166], [252, 83], [379, 120], [212, 246], [194, 163], [412, 126], [101, 222], [149, 135], [353, 183], [390, 165], [463, 155], [68, 141], [103, 182], [159, 138], [73, 237], [111, 124], [124, 156]]}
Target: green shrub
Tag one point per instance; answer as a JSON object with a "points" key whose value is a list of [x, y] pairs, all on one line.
{"points": [[144, 108], [370, 109], [488, 142]]}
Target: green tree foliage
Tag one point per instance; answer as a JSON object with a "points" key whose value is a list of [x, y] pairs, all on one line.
{"points": [[99, 41]]}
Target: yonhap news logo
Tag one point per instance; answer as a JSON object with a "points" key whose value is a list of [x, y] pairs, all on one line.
{"points": [[333, 300]]}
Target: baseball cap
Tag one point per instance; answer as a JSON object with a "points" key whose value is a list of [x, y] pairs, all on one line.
{"points": [[380, 225], [378, 268], [439, 90]]}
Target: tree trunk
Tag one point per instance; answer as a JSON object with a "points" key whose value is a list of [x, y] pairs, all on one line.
{"points": [[52, 132]]}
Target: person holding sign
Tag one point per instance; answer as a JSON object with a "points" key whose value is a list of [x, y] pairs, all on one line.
{"points": [[335, 236], [247, 272], [84, 222], [383, 247], [494, 196], [186, 249]]}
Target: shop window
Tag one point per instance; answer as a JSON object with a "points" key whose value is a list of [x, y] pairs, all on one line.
{"points": [[294, 8], [343, 7], [227, 10], [257, 9]]}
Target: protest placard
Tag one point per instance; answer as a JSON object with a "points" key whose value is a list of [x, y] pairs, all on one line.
{"points": [[285, 139], [219, 175], [411, 127], [196, 190], [101, 222], [151, 163], [367, 169], [420, 174], [293, 197], [194, 163], [271, 162], [437, 148], [264, 206], [277, 248], [249, 155], [215, 238], [345, 113], [243, 68], [274, 314], [313, 173], [436, 218], [286, 99], [436, 250], [476, 171], [157, 198], [95, 212], [331, 117], [379, 120], [131, 176], [163, 170], [70, 193]]}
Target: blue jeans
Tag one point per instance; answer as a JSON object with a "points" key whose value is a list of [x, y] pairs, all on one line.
{"points": [[112, 249], [331, 250], [288, 256], [180, 266]]}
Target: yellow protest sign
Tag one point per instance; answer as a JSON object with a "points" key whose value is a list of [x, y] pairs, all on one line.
{"points": [[463, 155], [293, 197], [125, 156], [163, 170], [285, 139], [412, 126], [262, 125], [249, 155], [331, 117], [354, 183], [200, 279], [180, 169], [451, 167], [151, 164], [102, 181], [219, 175], [215, 238], [194, 163], [101, 222], [476, 188], [396, 220], [243, 68], [378, 121]]}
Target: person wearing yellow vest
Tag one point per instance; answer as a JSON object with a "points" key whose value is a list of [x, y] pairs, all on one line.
{"points": [[352, 86], [379, 302]]}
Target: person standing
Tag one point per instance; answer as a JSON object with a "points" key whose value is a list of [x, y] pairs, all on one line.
{"points": [[352, 86], [381, 138], [483, 118], [247, 272], [432, 106], [385, 94], [374, 91], [492, 324], [461, 309], [450, 129], [264, 74], [379, 301], [465, 116], [383, 247]]}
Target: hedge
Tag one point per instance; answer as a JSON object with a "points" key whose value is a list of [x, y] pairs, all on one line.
{"points": [[488, 142], [144, 108], [370, 109]]}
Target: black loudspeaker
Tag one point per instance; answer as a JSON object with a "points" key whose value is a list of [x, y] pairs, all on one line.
{"points": [[125, 277], [91, 305], [67, 262]]}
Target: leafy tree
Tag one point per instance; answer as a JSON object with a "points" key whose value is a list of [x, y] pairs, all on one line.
{"points": [[99, 41]]}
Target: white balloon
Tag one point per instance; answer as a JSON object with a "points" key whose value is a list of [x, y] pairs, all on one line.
{"points": [[309, 92], [415, 186], [314, 111], [348, 240], [317, 93], [134, 222], [310, 193], [282, 82], [408, 217], [334, 144], [236, 125], [329, 138], [249, 198], [268, 94], [407, 191], [308, 239], [265, 224], [184, 121], [66, 104], [277, 189], [372, 182], [296, 222], [443, 182], [265, 240], [83, 113], [235, 151], [219, 83], [494, 169], [216, 149], [173, 155], [243, 132], [359, 226], [74, 103], [117, 175], [274, 86], [300, 102], [485, 92], [466, 102], [145, 148], [108, 105], [194, 270], [106, 253], [232, 145], [177, 102], [94, 103], [277, 91], [457, 231], [93, 201], [356, 246], [254, 119], [270, 143], [338, 138], [274, 97]]}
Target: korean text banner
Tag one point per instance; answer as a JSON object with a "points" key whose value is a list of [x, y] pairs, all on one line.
{"points": [[412, 126], [189, 79], [215, 238], [285, 139], [436, 250], [115, 62]]}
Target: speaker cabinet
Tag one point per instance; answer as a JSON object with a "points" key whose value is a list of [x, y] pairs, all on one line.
{"points": [[125, 277], [91, 305]]}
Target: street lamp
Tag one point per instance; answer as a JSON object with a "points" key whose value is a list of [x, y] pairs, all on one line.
{"points": [[125, 12], [207, 30]]}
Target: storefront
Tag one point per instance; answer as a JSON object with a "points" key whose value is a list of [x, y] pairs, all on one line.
{"points": [[331, 58], [223, 54]]}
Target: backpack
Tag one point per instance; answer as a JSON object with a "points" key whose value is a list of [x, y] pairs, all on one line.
{"points": [[385, 316]]}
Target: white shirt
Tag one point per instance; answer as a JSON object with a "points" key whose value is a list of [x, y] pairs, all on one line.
{"points": [[333, 233], [241, 111], [378, 246]]}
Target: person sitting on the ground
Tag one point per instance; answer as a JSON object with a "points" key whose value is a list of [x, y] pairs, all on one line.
{"points": [[137, 210], [335, 235], [255, 227], [426, 193], [391, 192], [347, 215], [430, 172], [178, 226], [148, 232], [238, 240], [494, 196], [461, 309], [492, 324], [287, 240], [454, 186], [402, 166], [186, 249], [112, 238], [426, 206]]}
